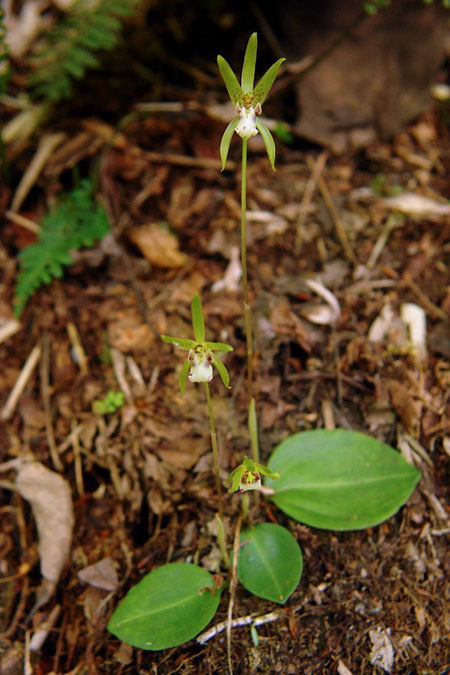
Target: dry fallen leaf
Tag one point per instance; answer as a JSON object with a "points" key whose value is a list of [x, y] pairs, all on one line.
{"points": [[51, 502], [101, 574], [157, 245]]}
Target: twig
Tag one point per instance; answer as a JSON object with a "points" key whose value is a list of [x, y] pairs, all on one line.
{"points": [[242, 621], [430, 307], [342, 236], [46, 147], [233, 583], [119, 365], [78, 347], [45, 392], [77, 460], [23, 222], [8, 328], [21, 382], [41, 633], [316, 171], [391, 223]]}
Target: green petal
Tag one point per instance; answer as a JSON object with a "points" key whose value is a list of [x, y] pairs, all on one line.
{"points": [[183, 375], [265, 84], [226, 140], [235, 478], [231, 81], [223, 372], [248, 69], [219, 346], [183, 343], [268, 142], [198, 322]]}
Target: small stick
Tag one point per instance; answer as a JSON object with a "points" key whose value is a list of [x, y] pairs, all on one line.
{"points": [[45, 392], [233, 584], [430, 307], [47, 145], [8, 328], [316, 171], [78, 347], [41, 633], [119, 365], [21, 382], [23, 222], [381, 242], [77, 460], [342, 236]]}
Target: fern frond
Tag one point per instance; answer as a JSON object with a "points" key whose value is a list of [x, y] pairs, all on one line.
{"points": [[78, 221], [68, 48]]}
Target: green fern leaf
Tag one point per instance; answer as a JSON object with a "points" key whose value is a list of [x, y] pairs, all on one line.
{"points": [[67, 49], [78, 221]]}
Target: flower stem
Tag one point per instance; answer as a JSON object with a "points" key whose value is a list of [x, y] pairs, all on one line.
{"points": [[247, 310], [215, 450]]}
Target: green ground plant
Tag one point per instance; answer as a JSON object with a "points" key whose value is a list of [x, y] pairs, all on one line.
{"points": [[339, 479], [77, 221]]}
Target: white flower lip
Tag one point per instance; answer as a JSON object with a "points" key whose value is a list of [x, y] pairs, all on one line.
{"points": [[246, 127], [201, 370]]}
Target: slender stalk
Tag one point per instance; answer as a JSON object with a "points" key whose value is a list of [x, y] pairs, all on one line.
{"points": [[247, 310], [215, 449]]}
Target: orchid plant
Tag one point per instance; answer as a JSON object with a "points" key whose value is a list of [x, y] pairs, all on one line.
{"points": [[336, 479]]}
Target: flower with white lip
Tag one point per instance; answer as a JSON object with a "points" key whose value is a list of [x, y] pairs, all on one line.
{"points": [[247, 476], [201, 357], [248, 100]]}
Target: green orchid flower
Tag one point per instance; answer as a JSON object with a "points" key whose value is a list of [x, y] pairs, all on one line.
{"points": [[247, 476], [248, 101], [201, 357]]}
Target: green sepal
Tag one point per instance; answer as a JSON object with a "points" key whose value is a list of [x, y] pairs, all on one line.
{"points": [[231, 82], [235, 478], [223, 372], [268, 142], [226, 140], [198, 323], [248, 69], [183, 375], [265, 84], [219, 346], [183, 343]]}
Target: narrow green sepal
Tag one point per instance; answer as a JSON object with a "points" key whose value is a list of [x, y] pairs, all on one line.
{"points": [[235, 478], [198, 323], [219, 346], [231, 82], [183, 376], [248, 69], [268, 142], [183, 343], [223, 372], [226, 140], [265, 84]]}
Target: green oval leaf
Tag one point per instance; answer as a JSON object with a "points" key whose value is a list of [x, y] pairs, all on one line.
{"points": [[223, 372], [184, 372], [248, 69], [169, 606], [339, 479], [270, 562]]}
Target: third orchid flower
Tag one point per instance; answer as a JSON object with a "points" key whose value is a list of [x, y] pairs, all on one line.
{"points": [[248, 100]]}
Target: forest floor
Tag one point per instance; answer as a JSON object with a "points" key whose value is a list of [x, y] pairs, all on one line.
{"points": [[141, 477]]}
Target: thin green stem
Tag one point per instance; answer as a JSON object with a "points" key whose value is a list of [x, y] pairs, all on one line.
{"points": [[215, 450], [247, 310]]}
